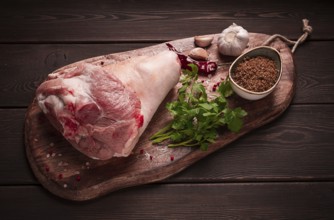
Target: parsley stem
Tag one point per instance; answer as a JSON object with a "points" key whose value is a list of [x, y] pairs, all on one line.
{"points": [[162, 132], [160, 139], [184, 144]]}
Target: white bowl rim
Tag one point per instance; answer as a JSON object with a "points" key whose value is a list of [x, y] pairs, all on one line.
{"points": [[245, 54]]}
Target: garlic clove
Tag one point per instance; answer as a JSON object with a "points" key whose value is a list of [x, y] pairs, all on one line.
{"points": [[199, 54], [203, 41]]}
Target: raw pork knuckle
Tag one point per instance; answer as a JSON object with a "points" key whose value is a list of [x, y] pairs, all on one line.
{"points": [[102, 111]]}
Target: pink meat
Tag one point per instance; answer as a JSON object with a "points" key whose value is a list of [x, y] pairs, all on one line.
{"points": [[102, 112]]}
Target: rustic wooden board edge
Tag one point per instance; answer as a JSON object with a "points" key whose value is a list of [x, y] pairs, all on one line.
{"points": [[153, 175]]}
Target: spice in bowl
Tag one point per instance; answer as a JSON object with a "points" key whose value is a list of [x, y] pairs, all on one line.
{"points": [[256, 73]]}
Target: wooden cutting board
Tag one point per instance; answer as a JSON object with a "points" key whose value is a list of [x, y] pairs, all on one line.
{"points": [[71, 175]]}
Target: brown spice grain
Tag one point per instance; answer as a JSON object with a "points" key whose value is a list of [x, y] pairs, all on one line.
{"points": [[256, 74]]}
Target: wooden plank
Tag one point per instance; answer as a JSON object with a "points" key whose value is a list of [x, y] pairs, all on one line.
{"points": [[314, 200], [287, 149], [114, 21], [20, 76]]}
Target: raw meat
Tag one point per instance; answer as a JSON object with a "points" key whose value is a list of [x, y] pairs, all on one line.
{"points": [[102, 111]]}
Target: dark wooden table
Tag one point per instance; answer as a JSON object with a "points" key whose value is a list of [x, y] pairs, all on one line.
{"points": [[283, 170]]}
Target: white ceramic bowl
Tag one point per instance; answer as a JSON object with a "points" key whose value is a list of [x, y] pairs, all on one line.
{"points": [[265, 51]]}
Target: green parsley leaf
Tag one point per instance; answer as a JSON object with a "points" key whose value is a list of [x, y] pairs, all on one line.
{"points": [[195, 117]]}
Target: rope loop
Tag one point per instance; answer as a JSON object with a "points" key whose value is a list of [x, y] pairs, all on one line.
{"points": [[307, 29]]}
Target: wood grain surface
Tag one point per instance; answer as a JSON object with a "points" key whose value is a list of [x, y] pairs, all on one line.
{"points": [[282, 170], [69, 174], [272, 201], [114, 22]]}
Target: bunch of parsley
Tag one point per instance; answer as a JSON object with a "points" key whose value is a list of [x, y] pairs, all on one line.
{"points": [[197, 118]]}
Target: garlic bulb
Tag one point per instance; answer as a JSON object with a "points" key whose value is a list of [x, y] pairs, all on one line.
{"points": [[233, 40]]}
